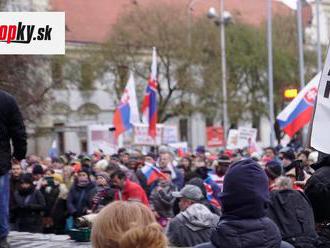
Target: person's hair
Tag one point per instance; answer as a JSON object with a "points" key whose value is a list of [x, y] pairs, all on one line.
{"points": [[116, 219], [283, 182], [119, 173], [304, 152], [148, 236], [272, 149]]}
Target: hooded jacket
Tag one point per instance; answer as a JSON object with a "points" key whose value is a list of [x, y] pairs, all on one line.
{"points": [[192, 226], [244, 199]]}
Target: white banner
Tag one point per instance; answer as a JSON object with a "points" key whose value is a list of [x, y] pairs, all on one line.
{"points": [[32, 33], [246, 137], [99, 137], [141, 135], [320, 135], [170, 134], [232, 140]]}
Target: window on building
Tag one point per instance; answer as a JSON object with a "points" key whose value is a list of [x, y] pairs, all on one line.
{"points": [[83, 145], [183, 125], [59, 128], [86, 77], [57, 73]]}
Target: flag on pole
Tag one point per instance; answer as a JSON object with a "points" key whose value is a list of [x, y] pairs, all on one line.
{"points": [[300, 110], [152, 173], [320, 135], [127, 113], [149, 106]]}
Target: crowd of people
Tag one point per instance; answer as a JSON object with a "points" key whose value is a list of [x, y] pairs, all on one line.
{"points": [[201, 199]]}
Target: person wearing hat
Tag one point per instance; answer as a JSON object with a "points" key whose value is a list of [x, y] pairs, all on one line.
{"points": [[244, 222], [29, 204], [104, 194], [195, 223], [81, 194]]}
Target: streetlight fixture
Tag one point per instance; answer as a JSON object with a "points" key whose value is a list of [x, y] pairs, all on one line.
{"points": [[222, 20]]}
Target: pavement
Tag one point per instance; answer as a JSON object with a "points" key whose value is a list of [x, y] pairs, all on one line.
{"points": [[36, 240]]}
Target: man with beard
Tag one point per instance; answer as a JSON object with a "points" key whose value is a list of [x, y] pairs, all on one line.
{"points": [[29, 204]]}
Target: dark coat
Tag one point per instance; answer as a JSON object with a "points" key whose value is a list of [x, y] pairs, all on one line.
{"points": [[161, 200], [191, 227], [28, 211], [247, 233], [11, 128], [317, 189], [80, 199], [293, 214], [50, 193]]}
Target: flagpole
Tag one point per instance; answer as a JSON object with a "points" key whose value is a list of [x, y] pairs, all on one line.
{"points": [[270, 72], [300, 45]]}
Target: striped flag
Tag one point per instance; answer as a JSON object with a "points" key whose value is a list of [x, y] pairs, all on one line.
{"points": [[149, 106], [152, 173]]}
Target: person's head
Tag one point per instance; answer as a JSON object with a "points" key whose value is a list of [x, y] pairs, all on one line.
{"points": [[57, 163], [288, 157], [245, 190], [25, 184], [222, 165], [273, 169], [118, 179], [102, 179], [124, 158], [37, 172], [185, 163], [283, 183], [32, 160], [303, 156], [83, 177], [100, 166], [115, 220], [270, 152], [188, 195], [133, 162], [150, 158], [165, 159], [16, 170]]}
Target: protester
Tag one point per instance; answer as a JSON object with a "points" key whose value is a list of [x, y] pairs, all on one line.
{"points": [[195, 222], [128, 190], [287, 158], [291, 211], [29, 204], [104, 194], [16, 172], [12, 129], [162, 201], [273, 170], [244, 204], [317, 191], [81, 194], [166, 162], [126, 224]]}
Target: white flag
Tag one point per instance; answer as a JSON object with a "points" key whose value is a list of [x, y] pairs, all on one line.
{"points": [[130, 94], [320, 134]]}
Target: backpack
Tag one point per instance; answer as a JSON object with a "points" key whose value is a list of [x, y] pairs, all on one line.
{"points": [[293, 214]]}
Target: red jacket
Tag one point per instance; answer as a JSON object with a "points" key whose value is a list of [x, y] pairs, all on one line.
{"points": [[132, 192]]}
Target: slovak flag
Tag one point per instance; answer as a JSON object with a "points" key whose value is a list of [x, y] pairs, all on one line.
{"points": [[149, 106], [127, 112], [152, 173], [300, 111]]}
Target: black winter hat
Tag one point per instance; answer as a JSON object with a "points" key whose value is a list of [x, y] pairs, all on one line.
{"points": [[26, 178], [273, 169], [289, 155], [37, 170]]}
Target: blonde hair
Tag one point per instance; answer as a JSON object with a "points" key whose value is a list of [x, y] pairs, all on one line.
{"points": [[123, 219]]}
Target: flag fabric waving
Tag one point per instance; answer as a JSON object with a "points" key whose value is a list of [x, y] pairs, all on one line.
{"points": [[210, 193], [300, 111], [149, 106], [152, 173], [127, 112]]}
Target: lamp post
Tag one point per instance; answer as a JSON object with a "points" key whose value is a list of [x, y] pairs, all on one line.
{"points": [[270, 72], [213, 14]]}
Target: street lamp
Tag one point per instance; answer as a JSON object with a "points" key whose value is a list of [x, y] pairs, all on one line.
{"points": [[222, 20]]}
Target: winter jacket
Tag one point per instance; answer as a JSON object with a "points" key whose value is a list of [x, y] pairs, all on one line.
{"points": [[132, 192], [80, 199], [317, 189], [50, 194], [245, 233], [11, 128], [103, 196], [192, 226], [293, 214], [161, 200], [28, 211]]}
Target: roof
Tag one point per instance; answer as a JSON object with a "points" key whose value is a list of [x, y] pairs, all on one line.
{"points": [[90, 21]]}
